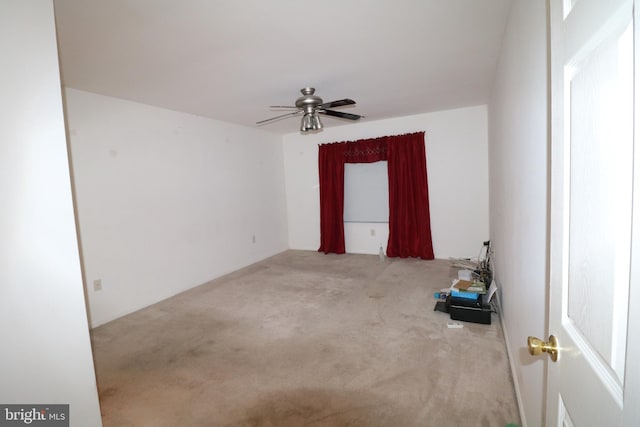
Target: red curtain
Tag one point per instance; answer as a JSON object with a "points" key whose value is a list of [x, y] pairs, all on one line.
{"points": [[331, 172], [409, 220]]}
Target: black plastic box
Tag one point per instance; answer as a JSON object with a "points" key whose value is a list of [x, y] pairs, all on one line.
{"points": [[469, 310]]}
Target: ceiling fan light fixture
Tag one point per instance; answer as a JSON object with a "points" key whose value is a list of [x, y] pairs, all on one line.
{"points": [[310, 121], [306, 123], [315, 120]]}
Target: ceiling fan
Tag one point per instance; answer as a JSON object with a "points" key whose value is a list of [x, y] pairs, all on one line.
{"points": [[311, 106]]}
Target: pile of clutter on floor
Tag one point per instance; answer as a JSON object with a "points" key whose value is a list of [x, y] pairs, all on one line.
{"points": [[469, 298]]}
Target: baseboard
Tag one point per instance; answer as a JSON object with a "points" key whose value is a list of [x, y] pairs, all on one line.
{"points": [[516, 385]]}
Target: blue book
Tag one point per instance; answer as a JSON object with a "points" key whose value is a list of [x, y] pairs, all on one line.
{"points": [[463, 294]]}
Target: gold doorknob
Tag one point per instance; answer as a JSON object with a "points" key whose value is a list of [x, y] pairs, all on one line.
{"points": [[537, 346]]}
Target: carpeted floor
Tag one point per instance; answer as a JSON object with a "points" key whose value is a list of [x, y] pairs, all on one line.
{"points": [[305, 339]]}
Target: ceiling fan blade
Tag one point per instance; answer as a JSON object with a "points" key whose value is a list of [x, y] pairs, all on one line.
{"points": [[338, 103], [282, 106], [277, 117], [340, 114]]}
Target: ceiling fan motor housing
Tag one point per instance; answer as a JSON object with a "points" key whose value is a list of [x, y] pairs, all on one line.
{"points": [[308, 102]]}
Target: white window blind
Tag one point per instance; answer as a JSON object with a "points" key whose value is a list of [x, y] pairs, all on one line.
{"points": [[366, 192]]}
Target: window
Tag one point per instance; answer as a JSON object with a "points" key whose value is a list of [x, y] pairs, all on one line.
{"points": [[366, 192]]}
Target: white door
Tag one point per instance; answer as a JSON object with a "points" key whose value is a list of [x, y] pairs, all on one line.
{"points": [[594, 215]]}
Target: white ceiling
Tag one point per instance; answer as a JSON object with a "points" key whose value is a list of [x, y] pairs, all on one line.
{"points": [[230, 59]]}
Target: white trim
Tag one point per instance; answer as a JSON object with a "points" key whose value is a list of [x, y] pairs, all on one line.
{"points": [[516, 385]]}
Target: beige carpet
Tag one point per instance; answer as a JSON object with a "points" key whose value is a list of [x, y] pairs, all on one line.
{"points": [[305, 339]]}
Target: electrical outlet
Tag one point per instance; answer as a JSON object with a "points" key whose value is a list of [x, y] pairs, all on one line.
{"points": [[373, 231], [253, 238], [97, 285]]}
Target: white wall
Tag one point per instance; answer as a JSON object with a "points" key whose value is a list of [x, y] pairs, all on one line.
{"points": [[46, 353], [457, 169], [518, 202], [168, 201]]}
